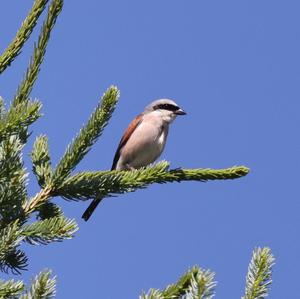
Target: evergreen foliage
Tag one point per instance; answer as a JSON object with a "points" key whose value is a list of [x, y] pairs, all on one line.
{"points": [[85, 185], [36, 220], [39, 51], [10, 288], [41, 164], [17, 117], [259, 276], [14, 49], [200, 284], [194, 284], [87, 136], [42, 287]]}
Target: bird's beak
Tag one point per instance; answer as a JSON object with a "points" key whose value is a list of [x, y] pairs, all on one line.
{"points": [[180, 112]]}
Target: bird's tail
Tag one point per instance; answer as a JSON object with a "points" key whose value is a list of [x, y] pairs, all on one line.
{"points": [[91, 208]]}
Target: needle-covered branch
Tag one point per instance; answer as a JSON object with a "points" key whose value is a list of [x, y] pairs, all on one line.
{"points": [[86, 185], [17, 117], [39, 52], [11, 258], [45, 231], [202, 285], [194, 284], [54, 229], [48, 210], [87, 136], [14, 49], [41, 160], [37, 201], [11, 288], [42, 287], [13, 180], [259, 276]]}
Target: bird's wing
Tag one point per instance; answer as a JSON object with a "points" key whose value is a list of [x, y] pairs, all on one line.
{"points": [[130, 129]]}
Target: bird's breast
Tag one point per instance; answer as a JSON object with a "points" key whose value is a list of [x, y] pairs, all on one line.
{"points": [[161, 139], [145, 145]]}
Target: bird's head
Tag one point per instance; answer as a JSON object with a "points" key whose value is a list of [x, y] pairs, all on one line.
{"points": [[165, 108]]}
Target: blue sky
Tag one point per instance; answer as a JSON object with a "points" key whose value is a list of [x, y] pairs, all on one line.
{"points": [[234, 67]]}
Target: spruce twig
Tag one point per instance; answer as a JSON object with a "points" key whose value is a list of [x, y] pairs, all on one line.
{"points": [[42, 287], [85, 185], [11, 288], [48, 210], [38, 200], [259, 276], [202, 285], [55, 229], [18, 117], [13, 180], [41, 161], [11, 258], [87, 136], [194, 284], [39, 52], [14, 49]]}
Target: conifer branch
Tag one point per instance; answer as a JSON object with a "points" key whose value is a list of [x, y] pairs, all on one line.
{"points": [[18, 117], [202, 286], [54, 229], [14, 49], [38, 53], [85, 185], [259, 276], [13, 180], [41, 160], [2, 108], [182, 286], [87, 135], [11, 288], [48, 210], [42, 287], [195, 284], [37, 201], [11, 258], [152, 294], [41, 232]]}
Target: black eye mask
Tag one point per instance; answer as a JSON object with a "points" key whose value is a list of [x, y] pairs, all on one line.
{"points": [[169, 107]]}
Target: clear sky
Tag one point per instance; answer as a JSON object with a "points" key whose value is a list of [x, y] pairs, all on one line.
{"points": [[234, 67]]}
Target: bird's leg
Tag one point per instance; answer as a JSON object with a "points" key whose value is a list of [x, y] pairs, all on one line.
{"points": [[129, 167]]}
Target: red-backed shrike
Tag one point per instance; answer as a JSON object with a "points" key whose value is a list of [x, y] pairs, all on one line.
{"points": [[143, 141]]}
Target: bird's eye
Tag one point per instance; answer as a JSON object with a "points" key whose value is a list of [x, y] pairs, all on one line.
{"points": [[169, 107]]}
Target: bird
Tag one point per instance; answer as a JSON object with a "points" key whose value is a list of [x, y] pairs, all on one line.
{"points": [[143, 141]]}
